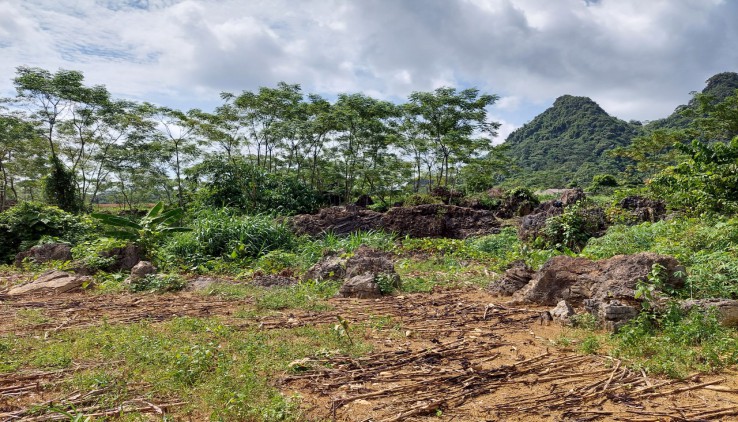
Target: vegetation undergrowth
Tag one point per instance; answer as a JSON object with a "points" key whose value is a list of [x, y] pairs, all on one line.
{"points": [[220, 372]]}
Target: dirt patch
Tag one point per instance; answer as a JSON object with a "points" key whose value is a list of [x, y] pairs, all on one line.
{"points": [[453, 354]]}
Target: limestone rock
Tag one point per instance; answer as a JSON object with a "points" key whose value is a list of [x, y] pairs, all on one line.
{"points": [[514, 279], [45, 253], [440, 220], [53, 281], [643, 209], [562, 312], [576, 279], [612, 315], [430, 220], [727, 309], [140, 271], [361, 287], [365, 270], [273, 281], [337, 220], [125, 258], [331, 267]]}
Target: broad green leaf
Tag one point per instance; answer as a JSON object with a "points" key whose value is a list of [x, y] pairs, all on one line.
{"points": [[114, 220]]}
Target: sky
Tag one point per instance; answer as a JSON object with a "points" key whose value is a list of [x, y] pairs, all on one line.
{"points": [[639, 59]]}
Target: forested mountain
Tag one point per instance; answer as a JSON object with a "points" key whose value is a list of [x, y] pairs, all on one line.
{"points": [[567, 143], [718, 87]]}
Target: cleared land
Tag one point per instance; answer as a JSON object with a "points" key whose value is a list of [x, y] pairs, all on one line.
{"points": [[448, 355]]}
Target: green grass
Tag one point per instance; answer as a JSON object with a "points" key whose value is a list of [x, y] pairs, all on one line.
{"points": [[307, 295], [222, 373]]}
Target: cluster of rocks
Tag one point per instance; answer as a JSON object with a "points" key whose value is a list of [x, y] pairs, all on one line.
{"points": [[605, 289], [126, 258], [120, 259], [367, 274], [430, 220]]}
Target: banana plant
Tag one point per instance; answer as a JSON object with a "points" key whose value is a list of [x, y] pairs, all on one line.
{"points": [[148, 231]]}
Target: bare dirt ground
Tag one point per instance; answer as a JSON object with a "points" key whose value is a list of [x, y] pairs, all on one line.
{"points": [[449, 355]]}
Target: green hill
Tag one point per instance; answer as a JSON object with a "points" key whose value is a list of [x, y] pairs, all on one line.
{"points": [[718, 86], [567, 143]]}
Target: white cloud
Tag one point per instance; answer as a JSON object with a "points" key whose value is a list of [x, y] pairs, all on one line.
{"points": [[637, 59]]}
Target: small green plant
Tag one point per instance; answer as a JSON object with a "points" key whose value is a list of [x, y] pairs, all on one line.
{"points": [[160, 283], [590, 345], [342, 329], [646, 291], [584, 321], [148, 231], [421, 199], [386, 283]]}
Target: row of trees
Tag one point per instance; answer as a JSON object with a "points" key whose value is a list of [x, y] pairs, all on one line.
{"points": [[60, 128]]}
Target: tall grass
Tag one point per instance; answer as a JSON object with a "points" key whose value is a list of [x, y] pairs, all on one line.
{"points": [[221, 234]]}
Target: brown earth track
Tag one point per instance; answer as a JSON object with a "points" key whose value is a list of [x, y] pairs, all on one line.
{"points": [[82, 310], [449, 353]]}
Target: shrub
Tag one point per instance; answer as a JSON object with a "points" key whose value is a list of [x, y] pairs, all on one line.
{"points": [[573, 228], [160, 283], [60, 188], [521, 194], [241, 185], [89, 252], [149, 231], [421, 199], [603, 183], [676, 343], [26, 224], [221, 234]]}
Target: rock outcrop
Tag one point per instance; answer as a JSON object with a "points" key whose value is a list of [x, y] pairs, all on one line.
{"points": [[514, 279], [331, 267], [430, 220], [367, 273], [53, 281], [727, 309], [605, 288], [45, 253], [577, 279], [338, 220], [643, 209], [140, 271]]}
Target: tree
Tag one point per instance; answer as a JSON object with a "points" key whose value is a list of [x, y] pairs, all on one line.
{"points": [[362, 130], [707, 180], [22, 155], [180, 140], [456, 124], [52, 95], [270, 116]]}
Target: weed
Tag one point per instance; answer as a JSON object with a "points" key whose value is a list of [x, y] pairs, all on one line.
{"points": [[590, 345], [158, 283]]}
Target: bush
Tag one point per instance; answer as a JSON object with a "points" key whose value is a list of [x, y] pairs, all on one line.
{"points": [[90, 252], [605, 180], [241, 185], [522, 194], [421, 199], [160, 283], [675, 343], [26, 224], [221, 234], [60, 188], [573, 228]]}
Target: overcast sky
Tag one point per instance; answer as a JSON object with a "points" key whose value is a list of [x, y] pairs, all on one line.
{"points": [[638, 59]]}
